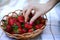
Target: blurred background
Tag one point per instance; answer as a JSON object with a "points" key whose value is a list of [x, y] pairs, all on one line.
{"points": [[53, 16]]}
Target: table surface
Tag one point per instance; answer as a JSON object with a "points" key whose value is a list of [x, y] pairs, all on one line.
{"points": [[53, 22]]}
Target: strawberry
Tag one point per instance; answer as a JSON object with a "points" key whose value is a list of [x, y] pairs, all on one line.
{"points": [[20, 18], [30, 30], [24, 30], [11, 21], [15, 20], [20, 31], [18, 24], [39, 26], [43, 21], [37, 22], [8, 28], [28, 26]]}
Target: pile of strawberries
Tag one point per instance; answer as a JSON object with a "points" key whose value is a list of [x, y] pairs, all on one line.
{"points": [[17, 25]]}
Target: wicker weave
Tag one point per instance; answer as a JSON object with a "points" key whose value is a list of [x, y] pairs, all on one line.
{"points": [[25, 35]]}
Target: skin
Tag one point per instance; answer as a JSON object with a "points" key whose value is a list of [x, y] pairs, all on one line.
{"points": [[39, 9]]}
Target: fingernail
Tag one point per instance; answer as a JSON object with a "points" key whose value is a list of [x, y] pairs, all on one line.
{"points": [[31, 23]]}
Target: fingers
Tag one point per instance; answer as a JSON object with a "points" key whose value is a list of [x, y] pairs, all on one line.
{"points": [[27, 14], [24, 11], [34, 17]]}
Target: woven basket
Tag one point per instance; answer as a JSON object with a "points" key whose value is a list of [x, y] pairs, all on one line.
{"points": [[25, 35]]}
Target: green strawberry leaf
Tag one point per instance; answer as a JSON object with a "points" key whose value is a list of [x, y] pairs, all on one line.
{"points": [[16, 31], [15, 28]]}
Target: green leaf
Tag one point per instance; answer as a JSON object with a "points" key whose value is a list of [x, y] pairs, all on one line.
{"points": [[16, 31], [15, 28]]}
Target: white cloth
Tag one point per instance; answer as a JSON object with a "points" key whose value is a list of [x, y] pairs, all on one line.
{"points": [[53, 19]]}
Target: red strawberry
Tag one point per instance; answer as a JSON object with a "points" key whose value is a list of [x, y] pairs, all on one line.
{"points": [[24, 30], [18, 24], [11, 21], [30, 30], [20, 30], [20, 18], [39, 26], [15, 20], [28, 26], [8, 28], [43, 21]]}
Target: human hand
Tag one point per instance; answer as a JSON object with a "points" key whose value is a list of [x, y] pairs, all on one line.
{"points": [[27, 10], [39, 9]]}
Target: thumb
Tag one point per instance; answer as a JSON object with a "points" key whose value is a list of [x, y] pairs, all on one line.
{"points": [[34, 17]]}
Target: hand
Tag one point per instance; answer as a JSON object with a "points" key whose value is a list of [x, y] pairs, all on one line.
{"points": [[39, 9], [27, 10]]}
